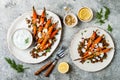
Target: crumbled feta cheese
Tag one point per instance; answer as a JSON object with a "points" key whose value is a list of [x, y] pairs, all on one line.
{"points": [[32, 28], [35, 47], [86, 42], [93, 59], [97, 58], [83, 50], [41, 53], [96, 46], [50, 41], [85, 47], [45, 30], [89, 53], [38, 24], [39, 35], [100, 45], [35, 52], [37, 20], [101, 55]]}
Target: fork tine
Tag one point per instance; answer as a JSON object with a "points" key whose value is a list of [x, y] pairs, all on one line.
{"points": [[62, 55]]}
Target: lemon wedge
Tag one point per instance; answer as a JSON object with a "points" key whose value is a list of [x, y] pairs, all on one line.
{"points": [[63, 67]]}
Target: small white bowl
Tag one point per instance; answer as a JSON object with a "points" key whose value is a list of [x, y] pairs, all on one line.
{"points": [[90, 12], [22, 38], [73, 15]]}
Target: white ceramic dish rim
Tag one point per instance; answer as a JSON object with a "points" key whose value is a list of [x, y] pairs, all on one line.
{"points": [[31, 39], [78, 65], [30, 12]]}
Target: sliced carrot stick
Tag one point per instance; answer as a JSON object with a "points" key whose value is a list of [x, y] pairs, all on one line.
{"points": [[54, 33], [34, 15]]}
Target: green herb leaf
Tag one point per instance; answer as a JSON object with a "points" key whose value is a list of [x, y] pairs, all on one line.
{"points": [[102, 16], [101, 10], [17, 67], [85, 31], [26, 40], [47, 50], [99, 15], [81, 33], [109, 28], [107, 12], [101, 22]]}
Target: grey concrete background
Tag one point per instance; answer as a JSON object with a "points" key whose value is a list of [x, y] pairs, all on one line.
{"points": [[11, 9]]}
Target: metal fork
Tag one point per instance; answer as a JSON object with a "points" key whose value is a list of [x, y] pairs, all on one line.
{"points": [[50, 65]]}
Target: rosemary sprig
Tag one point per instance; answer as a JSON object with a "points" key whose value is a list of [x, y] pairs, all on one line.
{"points": [[17, 67]]}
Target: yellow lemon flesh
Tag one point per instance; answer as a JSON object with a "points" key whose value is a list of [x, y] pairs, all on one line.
{"points": [[84, 14], [63, 67]]}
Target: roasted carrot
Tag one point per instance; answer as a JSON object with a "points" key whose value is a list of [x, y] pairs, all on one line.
{"points": [[34, 30], [44, 42], [98, 49], [47, 46], [40, 40], [51, 29], [54, 33], [48, 23], [40, 28], [93, 36], [42, 18], [34, 15], [106, 50], [97, 41]]}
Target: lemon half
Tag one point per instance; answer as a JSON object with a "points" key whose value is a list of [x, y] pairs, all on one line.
{"points": [[63, 67]]}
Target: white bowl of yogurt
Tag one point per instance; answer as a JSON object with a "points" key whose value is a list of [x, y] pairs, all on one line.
{"points": [[22, 38]]}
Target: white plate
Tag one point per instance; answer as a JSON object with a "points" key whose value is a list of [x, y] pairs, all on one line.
{"points": [[90, 66], [24, 55]]}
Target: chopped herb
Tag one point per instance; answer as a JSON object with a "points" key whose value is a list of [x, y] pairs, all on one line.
{"points": [[34, 25], [88, 62], [102, 16], [17, 67], [26, 40], [109, 28], [107, 12], [81, 33], [99, 15], [47, 50], [85, 31], [101, 22]]}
